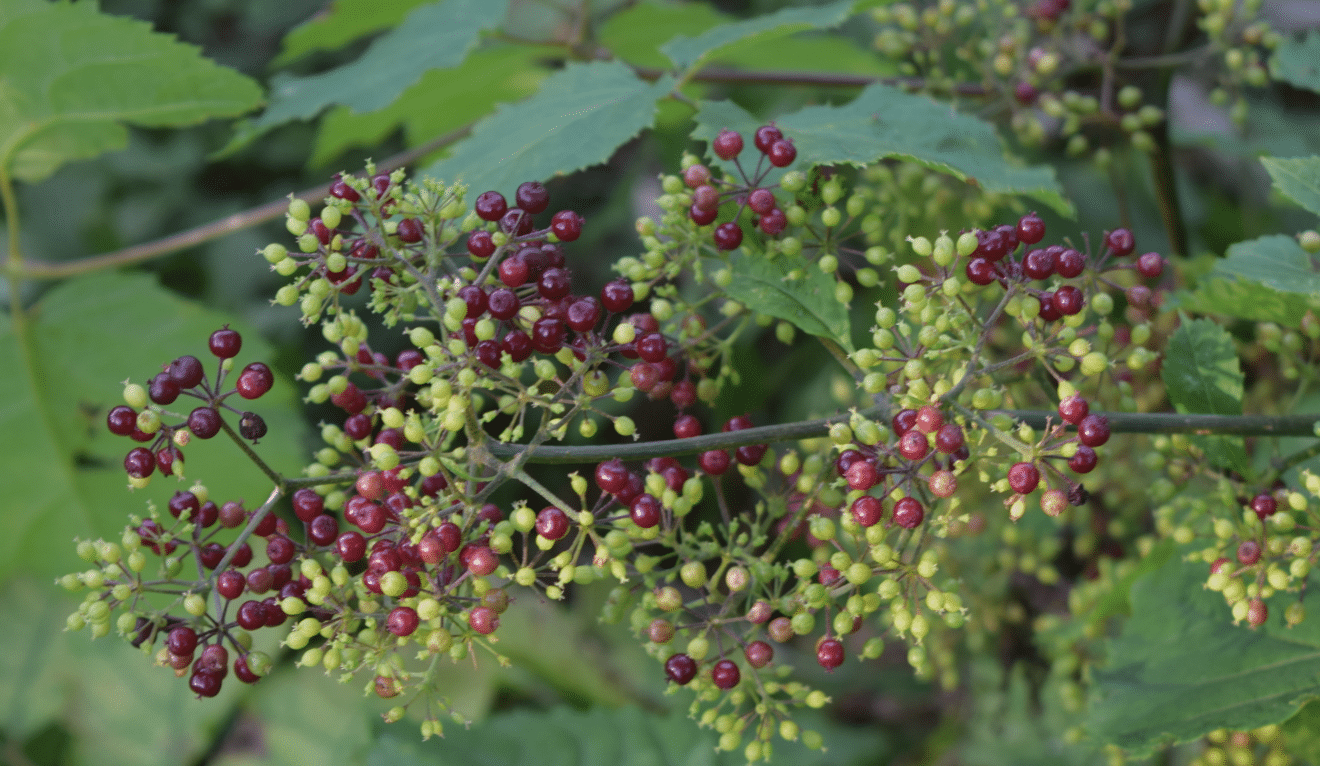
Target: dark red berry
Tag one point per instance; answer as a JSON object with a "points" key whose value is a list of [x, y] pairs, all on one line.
{"points": [[225, 343], [251, 615], [1150, 265], [1070, 263], [728, 236], [765, 137], [912, 445], [548, 335], [351, 546], [480, 244], [725, 674], [532, 196], [681, 669], [1025, 93], [186, 371], [1023, 478], [517, 344], [1093, 430], [229, 583], [867, 510], [490, 206], [1264, 506], [184, 502], [782, 153], [1248, 553], [714, 462], [1068, 300], [727, 144], [652, 347], [759, 654], [410, 230], [617, 296], [323, 530], [829, 653], [402, 621], [181, 641], [903, 421], [980, 271], [1072, 409], [1120, 242], [484, 620], [687, 426], [205, 684], [1084, 460], [121, 420], [255, 380], [773, 222], [554, 284], [204, 422], [552, 523], [949, 439], [503, 303], [139, 462], [908, 513], [516, 221], [1039, 263], [645, 510], [566, 225], [761, 201], [1030, 229]]}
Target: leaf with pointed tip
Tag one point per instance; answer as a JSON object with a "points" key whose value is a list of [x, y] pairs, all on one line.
{"points": [[794, 290], [882, 123], [1298, 178], [1298, 63], [435, 36], [577, 119], [689, 52], [73, 77], [1201, 374]]}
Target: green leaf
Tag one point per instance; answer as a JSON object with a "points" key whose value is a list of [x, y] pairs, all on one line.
{"points": [[62, 370], [1269, 279], [1301, 733], [469, 91], [1201, 374], [1181, 669], [339, 24], [434, 36], [793, 289], [1298, 63], [884, 123], [577, 119], [1298, 178], [689, 52], [74, 76], [604, 737]]}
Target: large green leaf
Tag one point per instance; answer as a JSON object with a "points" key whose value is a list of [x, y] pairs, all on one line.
{"points": [[792, 289], [882, 123], [578, 118], [603, 737], [340, 23], [117, 705], [636, 34], [689, 52], [63, 368], [73, 76], [1298, 178], [1298, 62], [1201, 374], [434, 36], [489, 76], [1269, 279], [1180, 668]]}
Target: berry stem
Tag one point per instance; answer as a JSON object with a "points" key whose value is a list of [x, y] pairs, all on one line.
{"points": [[271, 474]]}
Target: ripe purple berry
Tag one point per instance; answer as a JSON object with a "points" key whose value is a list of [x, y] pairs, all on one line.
{"points": [[225, 343], [255, 380], [727, 144], [725, 675], [681, 669]]}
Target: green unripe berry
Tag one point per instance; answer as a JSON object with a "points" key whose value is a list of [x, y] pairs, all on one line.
{"points": [[194, 604], [693, 574], [274, 253]]}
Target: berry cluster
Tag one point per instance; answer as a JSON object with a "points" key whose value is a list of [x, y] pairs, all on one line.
{"points": [[144, 418], [396, 539]]}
